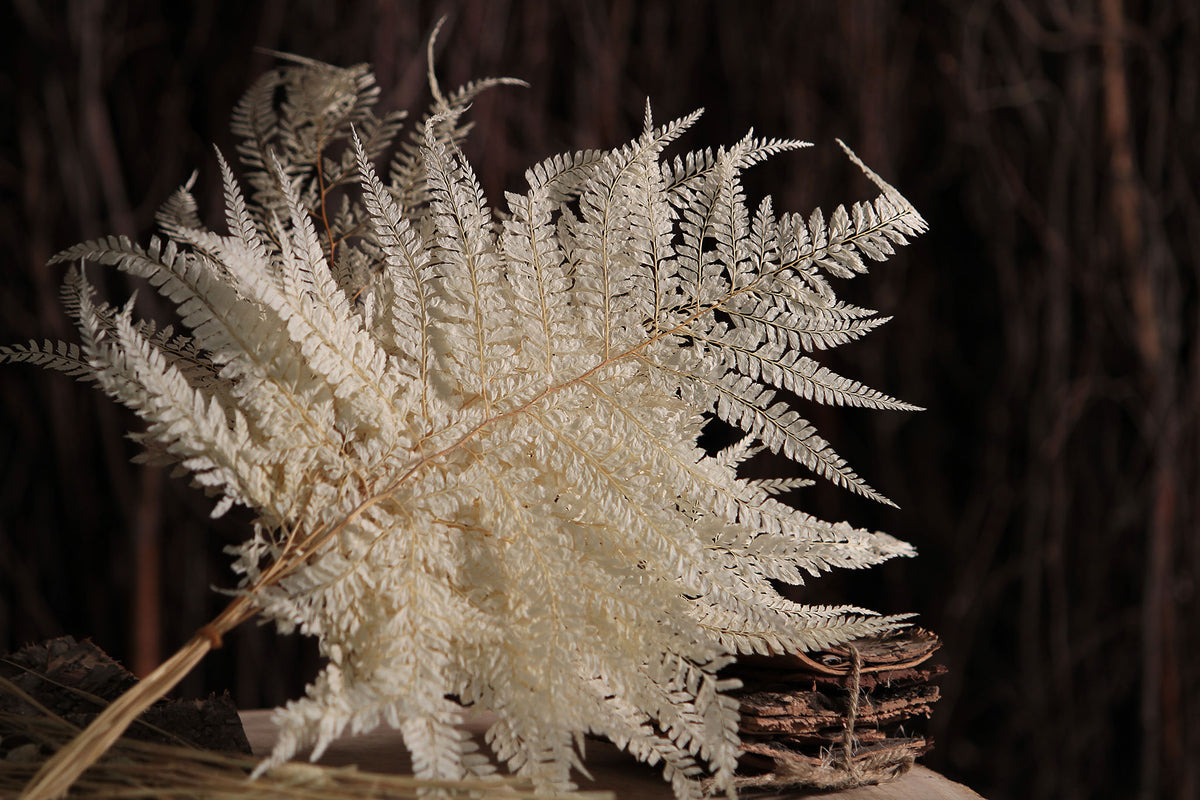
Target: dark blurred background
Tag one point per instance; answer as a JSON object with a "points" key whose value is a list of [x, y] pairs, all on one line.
{"points": [[1046, 320]]}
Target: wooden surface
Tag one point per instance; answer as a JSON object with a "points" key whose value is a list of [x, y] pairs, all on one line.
{"points": [[383, 751]]}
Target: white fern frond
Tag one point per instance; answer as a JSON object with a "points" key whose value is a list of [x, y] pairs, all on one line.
{"points": [[774, 486], [472, 439], [61, 356]]}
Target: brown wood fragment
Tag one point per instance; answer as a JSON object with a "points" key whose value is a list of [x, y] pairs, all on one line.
{"points": [[75, 680], [813, 711], [796, 711]]}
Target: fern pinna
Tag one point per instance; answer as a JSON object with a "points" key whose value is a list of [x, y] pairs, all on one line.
{"points": [[470, 436]]}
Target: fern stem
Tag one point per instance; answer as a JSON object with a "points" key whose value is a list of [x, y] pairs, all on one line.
{"points": [[322, 193], [57, 775]]}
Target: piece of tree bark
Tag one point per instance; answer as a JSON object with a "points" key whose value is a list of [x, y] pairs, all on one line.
{"points": [[835, 719], [75, 680]]}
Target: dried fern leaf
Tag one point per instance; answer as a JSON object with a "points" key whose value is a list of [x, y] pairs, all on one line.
{"points": [[471, 439]]}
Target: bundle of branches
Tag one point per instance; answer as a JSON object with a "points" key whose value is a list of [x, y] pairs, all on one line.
{"points": [[176, 748], [833, 719]]}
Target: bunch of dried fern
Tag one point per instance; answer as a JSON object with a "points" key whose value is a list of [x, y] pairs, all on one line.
{"points": [[471, 435]]}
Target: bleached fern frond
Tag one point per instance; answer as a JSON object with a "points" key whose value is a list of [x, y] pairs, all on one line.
{"points": [[61, 356], [321, 105], [442, 123], [565, 174], [780, 485], [180, 211], [471, 438]]}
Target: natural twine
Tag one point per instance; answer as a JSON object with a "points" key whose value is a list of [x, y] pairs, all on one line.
{"points": [[849, 740]]}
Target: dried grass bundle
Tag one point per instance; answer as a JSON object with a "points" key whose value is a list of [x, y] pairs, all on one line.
{"points": [[134, 769]]}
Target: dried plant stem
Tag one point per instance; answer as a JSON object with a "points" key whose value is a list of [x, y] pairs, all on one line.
{"points": [[61, 771], [138, 770], [58, 774]]}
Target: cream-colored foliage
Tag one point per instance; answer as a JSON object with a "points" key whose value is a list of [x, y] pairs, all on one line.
{"points": [[474, 434]]}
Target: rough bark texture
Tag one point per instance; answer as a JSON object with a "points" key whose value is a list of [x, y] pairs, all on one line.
{"points": [[836, 719], [76, 680]]}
